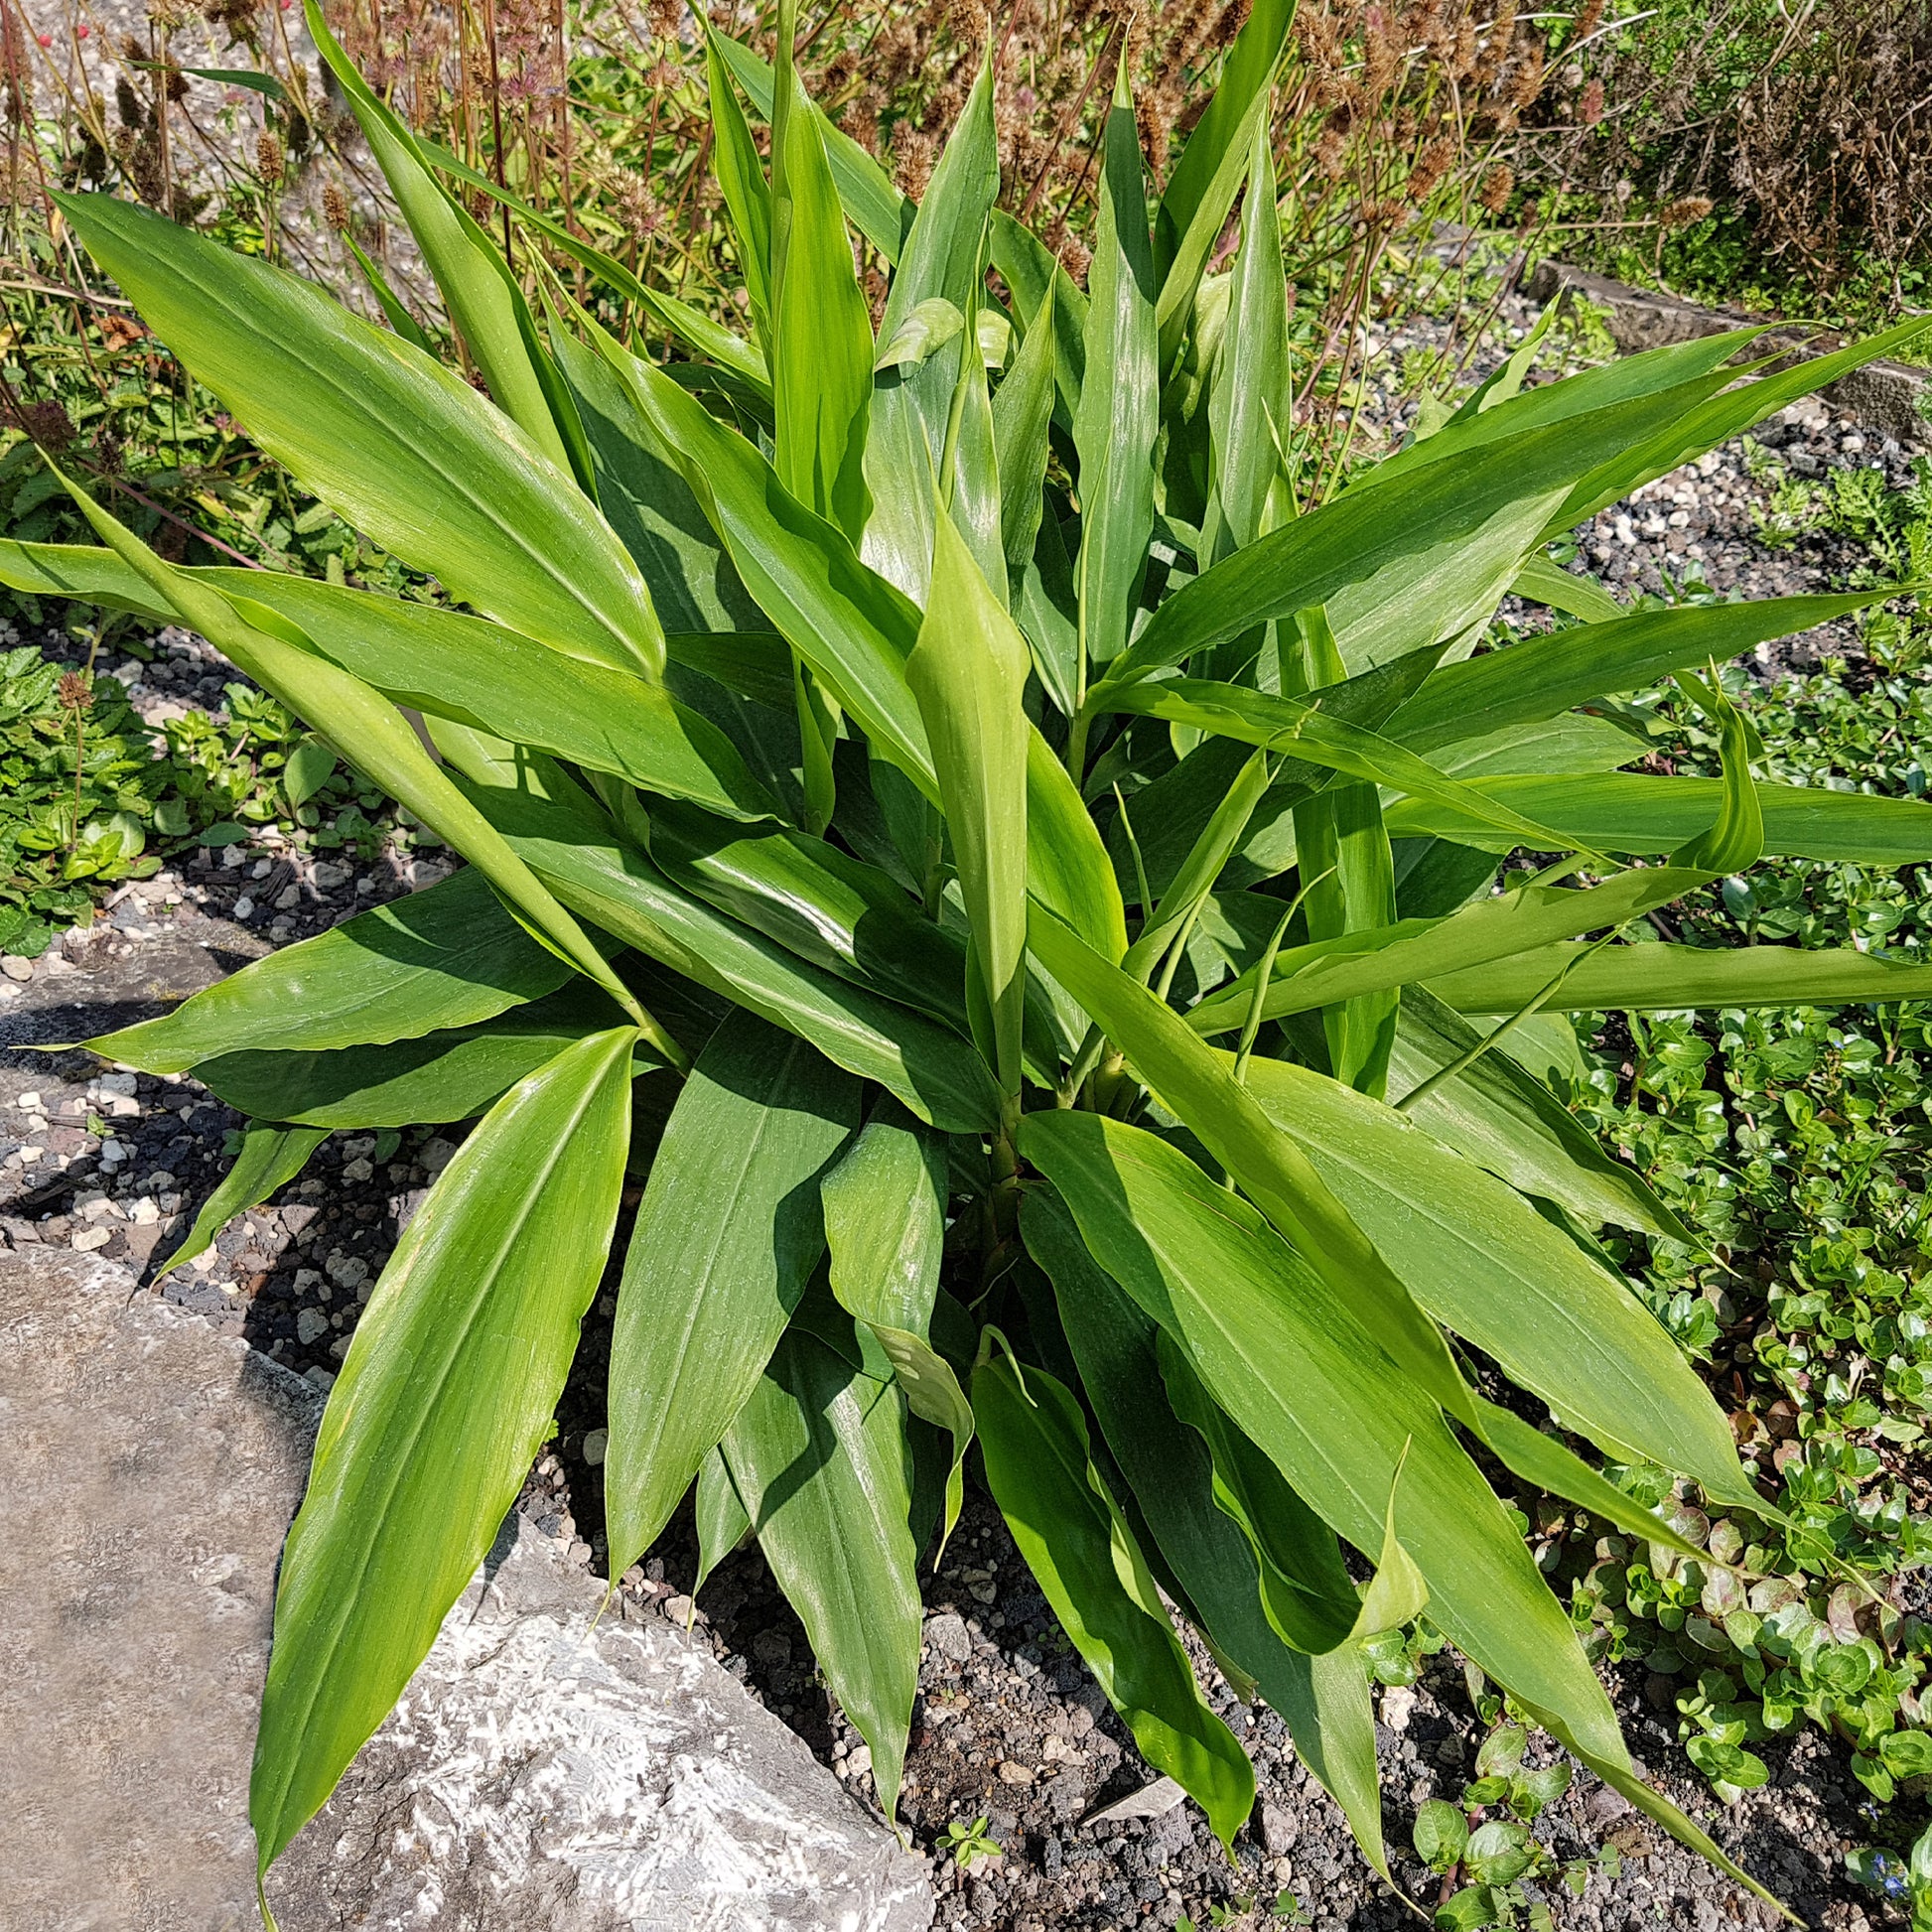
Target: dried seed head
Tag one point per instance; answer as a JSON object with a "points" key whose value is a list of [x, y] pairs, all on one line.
{"points": [[128, 104], [1589, 110], [271, 163], [73, 692], [49, 424], [664, 17], [1495, 190], [913, 153], [335, 206], [1684, 212]]}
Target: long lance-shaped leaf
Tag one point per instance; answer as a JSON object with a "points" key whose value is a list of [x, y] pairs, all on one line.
{"points": [[402, 448], [969, 673], [1490, 929], [741, 174], [1307, 1593], [1370, 555], [852, 627], [442, 1076], [1023, 410], [819, 1458], [1180, 280], [479, 290], [726, 1239], [1347, 869], [373, 735], [449, 956], [450, 666], [1262, 1328], [1170, 814], [819, 904], [885, 1224], [609, 881], [1246, 74], [1632, 812], [1067, 867], [1249, 406], [1115, 426], [1643, 460], [1301, 728], [1576, 396], [910, 402], [443, 1402], [1503, 1118], [1667, 978], [1478, 1258], [1545, 676], [692, 327], [1172, 1475], [821, 329], [1198, 1086], [1084, 1557], [272, 1152], [1543, 580]]}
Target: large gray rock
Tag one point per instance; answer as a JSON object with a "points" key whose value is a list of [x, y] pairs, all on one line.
{"points": [[152, 1472], [538, 1773]]}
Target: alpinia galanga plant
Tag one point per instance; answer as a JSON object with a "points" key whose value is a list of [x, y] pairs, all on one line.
{"points": [[929, 751]]}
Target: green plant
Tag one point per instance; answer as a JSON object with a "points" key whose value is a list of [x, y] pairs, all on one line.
{"points": [[1492, 1855], [805, 796], [1904, 1881], [966, 1843], [87, 797]]}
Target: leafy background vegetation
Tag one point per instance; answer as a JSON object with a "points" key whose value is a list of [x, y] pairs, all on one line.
{"points": [[1791, 1143]]}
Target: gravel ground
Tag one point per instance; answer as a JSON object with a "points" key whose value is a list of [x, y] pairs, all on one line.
{"points": [[1010, 1723]]}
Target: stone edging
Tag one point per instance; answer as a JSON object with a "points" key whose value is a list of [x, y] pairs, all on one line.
{"points": [[1882, 395]]}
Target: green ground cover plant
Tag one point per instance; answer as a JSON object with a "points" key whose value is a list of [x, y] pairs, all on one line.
{"points": [[970, 812]]}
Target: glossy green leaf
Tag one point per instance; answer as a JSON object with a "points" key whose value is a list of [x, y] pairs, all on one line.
{"points": [[446, 957], [1481, 1259], [272, 1154], [690, 325], [1249, 408], [1245, 76], [1115, 426], [1023, 410], [969, 673], [1489, 929], [741, 175], [728, 1235], [1167, 1465], [479, 288], [1543, 580], [1669, 978], [443, 1402], [1179, 278], [372, 735], [1083, 1556], [1262, 1328], [885, 1224], [1506, 1120], [441, 1076], [1067, 867], [912, 399], [400, 447], [616, 886], [440, 661], [821, 328], [1543, 676], [818, 1455], [1629, 812], [1408, 563]]}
